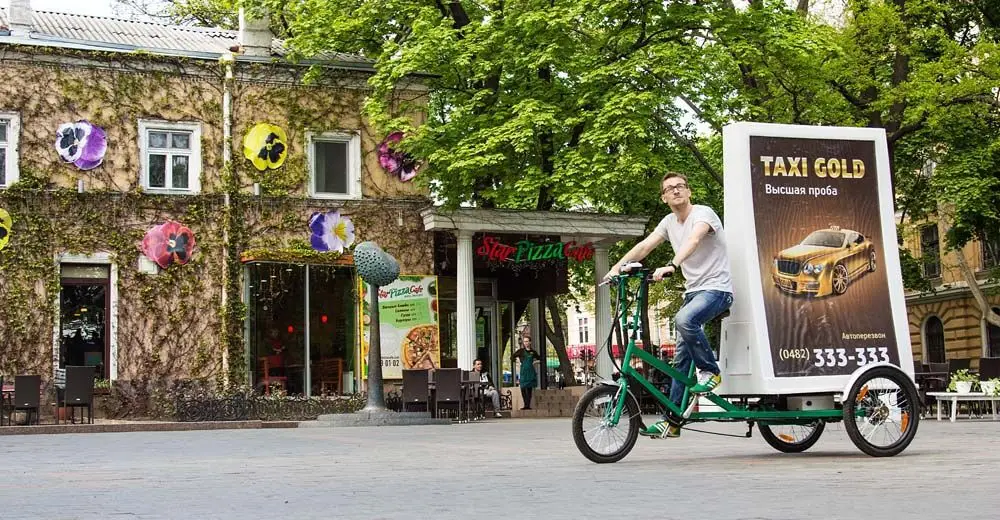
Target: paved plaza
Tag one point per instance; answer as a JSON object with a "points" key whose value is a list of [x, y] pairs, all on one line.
{"points": [[514, 469]]}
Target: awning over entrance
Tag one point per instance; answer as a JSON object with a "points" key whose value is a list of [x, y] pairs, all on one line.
{"points": [[601, 230], [605, 227]]}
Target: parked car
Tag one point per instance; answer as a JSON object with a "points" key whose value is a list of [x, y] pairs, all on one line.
{"points": [[824, 263]]}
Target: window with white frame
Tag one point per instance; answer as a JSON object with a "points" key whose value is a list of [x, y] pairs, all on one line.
{"points": [[335, 165], [584, 330], [171, 156], [10, 125]]}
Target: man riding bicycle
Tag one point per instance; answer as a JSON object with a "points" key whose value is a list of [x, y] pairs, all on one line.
{"points": [[696, 235]]}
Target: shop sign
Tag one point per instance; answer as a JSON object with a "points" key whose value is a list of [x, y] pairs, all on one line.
{"points": [[528, 251]]}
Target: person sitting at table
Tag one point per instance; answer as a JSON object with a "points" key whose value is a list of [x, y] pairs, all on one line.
{"points": [[490, 390]]}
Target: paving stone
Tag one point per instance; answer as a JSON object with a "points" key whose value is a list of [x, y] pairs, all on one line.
{"points": [[496, 468]]}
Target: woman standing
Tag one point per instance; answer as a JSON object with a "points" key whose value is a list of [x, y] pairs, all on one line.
{"points": [[527, 377]]}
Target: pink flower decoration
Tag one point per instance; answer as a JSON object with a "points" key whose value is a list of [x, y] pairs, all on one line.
{"points": [[168, 243], [398, 164]]}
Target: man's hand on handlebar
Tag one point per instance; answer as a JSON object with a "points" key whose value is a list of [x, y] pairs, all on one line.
{"points": [[663, 272], [617, 270], [613, 272]]}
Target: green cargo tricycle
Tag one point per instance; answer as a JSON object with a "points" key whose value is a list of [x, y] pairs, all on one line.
{"points": [[879, 404]]}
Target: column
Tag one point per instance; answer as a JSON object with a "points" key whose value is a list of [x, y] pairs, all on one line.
{"points": [[466, 313], [602, 311]]}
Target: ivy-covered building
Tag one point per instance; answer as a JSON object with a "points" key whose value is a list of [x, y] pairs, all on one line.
{"points": [[179, 202]]}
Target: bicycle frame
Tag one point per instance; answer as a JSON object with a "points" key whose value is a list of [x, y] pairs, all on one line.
{"points": [[731, 412]]}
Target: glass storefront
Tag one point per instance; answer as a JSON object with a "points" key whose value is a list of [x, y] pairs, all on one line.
{"points": [[302, 328]]}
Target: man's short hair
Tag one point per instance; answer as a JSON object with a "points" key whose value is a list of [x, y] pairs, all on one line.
{"points": [[671, 175], [479, 360]]}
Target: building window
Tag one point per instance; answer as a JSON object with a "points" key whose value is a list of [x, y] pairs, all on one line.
{"points": [[10, 125], [334, 165], [584, 328], [171, 156], [934, 340], [929, 251], [991, 249], [993, 337]]}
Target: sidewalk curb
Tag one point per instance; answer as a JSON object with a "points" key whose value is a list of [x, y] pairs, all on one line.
{"points": [[47, 429]]}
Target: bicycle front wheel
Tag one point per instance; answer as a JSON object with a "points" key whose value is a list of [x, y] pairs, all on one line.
{"points": [[595, 436]]}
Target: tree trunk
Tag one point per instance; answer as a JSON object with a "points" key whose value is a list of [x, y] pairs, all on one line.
{"points": [[558, 339], [977, 292]]}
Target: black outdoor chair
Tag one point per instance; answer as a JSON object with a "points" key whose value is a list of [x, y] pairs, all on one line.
{"points": [[79, 392], [958, 364], [3, 403], [448, 393], [27, 398], [415, 392], [989, 368], [934, 378], [475, 395]]}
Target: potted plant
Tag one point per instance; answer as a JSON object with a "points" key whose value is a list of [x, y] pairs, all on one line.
{"points": [[102, 386], [991, 387], [962, 381]]}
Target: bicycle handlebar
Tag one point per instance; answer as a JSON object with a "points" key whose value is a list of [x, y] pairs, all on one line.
{"points": [[627, 271]]}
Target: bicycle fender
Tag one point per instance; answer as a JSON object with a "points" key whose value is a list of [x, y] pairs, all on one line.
{"points": [[860, 371]]}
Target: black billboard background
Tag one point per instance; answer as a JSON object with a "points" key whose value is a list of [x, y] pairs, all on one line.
{"points": [[798, 324]]}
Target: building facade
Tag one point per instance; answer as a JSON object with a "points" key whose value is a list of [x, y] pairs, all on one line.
{"points": [[946, 323], [180, 203]]}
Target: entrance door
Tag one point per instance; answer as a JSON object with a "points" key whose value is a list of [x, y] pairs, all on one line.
{"points": [[486, 337], [84, 306]]}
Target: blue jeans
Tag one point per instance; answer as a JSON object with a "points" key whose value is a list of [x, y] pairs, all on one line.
{"points": [[698, 308]]}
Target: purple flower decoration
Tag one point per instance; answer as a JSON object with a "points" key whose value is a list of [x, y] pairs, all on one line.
{"points": [[331, 231], [82, 144], [398, 164]]}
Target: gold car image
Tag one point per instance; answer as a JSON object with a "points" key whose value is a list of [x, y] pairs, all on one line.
{"points": [[824, 263]]}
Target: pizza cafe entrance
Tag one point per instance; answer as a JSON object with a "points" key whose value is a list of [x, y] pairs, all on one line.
{"points": [[495, 267]]}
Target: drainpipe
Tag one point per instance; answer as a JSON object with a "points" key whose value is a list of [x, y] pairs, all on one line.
{"points": [[227, 159]]}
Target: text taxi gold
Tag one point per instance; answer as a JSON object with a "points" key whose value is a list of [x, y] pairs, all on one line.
{"points": [[821, 167]]}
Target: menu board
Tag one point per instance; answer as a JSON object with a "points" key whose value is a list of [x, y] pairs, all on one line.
{"points": [[408, 316]]}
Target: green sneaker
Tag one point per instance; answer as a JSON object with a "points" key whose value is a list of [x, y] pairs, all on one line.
{"points": [[707, 385], [661, 430]]}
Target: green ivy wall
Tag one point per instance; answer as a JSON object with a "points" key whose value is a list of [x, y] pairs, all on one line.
{"points": [[175, 324]]}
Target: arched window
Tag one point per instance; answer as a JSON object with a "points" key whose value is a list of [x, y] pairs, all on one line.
{"points": [[934, 339], [993, 337]]}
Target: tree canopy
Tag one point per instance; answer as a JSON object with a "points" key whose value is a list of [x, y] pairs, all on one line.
{"points": [[583, 104]]}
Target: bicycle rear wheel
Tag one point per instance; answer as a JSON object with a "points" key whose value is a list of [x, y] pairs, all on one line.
{"points": [[791, 438], [598, 440], [881, 411]]}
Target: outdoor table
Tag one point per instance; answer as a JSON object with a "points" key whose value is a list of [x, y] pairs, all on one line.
{"points": [[955, 397]]}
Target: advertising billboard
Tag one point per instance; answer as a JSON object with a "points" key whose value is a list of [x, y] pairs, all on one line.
{"points": [[408, 314], [819, 238], [810, 219]]}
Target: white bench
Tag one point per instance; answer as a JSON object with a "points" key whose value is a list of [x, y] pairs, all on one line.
{"points": [[955, 397]]}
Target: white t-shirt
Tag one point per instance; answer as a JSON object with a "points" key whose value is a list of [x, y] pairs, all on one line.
{"points": [[708, 267]]}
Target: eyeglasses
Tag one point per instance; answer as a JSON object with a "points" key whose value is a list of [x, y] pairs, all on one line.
{"points": [[679, 187]]}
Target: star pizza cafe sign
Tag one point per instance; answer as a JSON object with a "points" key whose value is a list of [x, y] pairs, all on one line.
{"points": [[528, 251]]}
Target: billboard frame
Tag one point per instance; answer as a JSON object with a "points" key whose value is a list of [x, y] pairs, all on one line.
{"points": [[746, 356]]}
